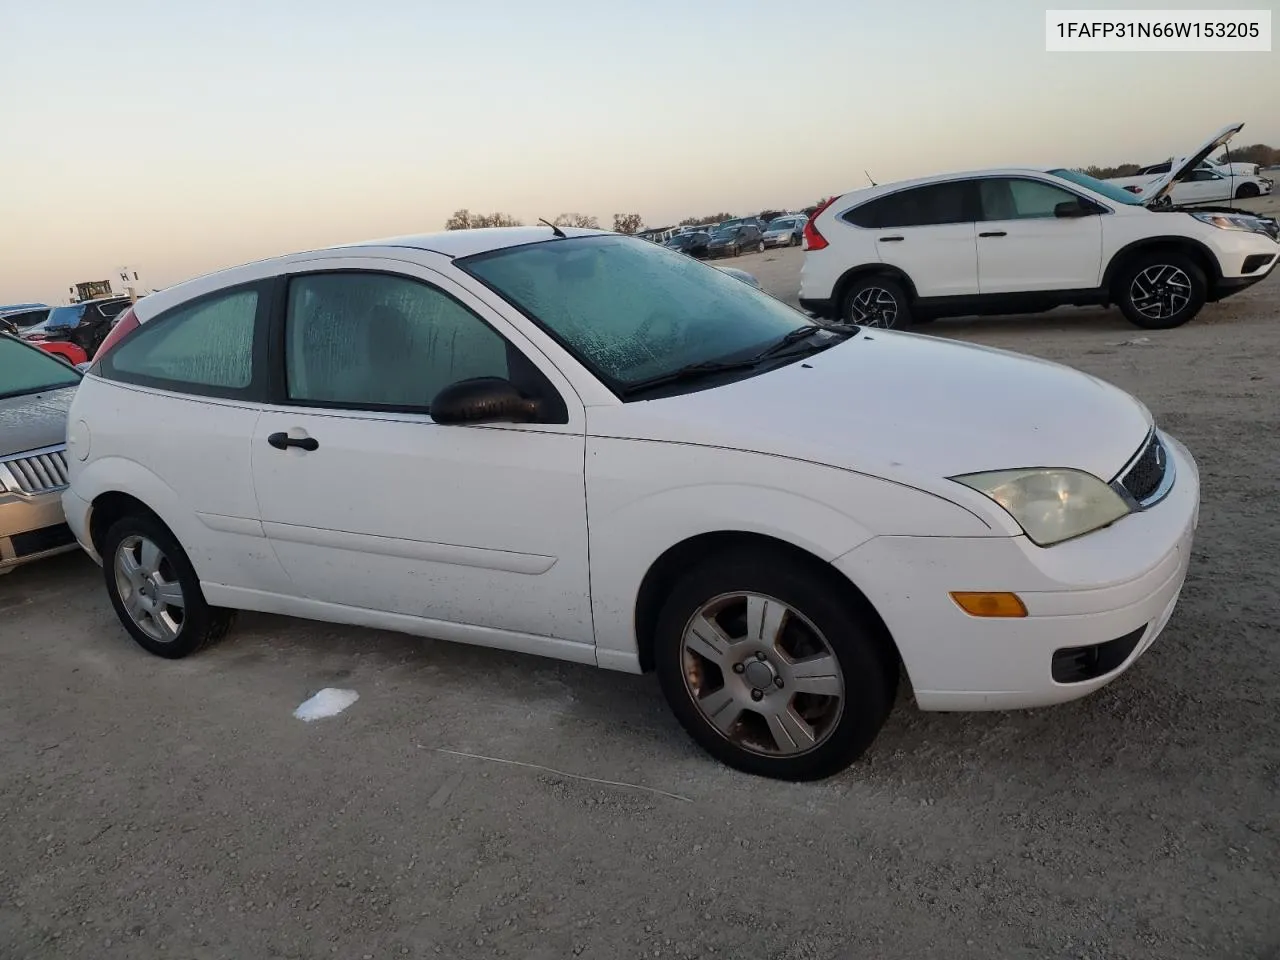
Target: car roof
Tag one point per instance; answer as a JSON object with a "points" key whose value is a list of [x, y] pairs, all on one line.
{"points": [[449, 243], [868, 193]]}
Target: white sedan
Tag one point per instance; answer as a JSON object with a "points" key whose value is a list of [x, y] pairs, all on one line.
{"points": [[581, 445]]}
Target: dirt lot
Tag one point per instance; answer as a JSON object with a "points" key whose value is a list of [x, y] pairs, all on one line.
{"points": [[156, 809]]}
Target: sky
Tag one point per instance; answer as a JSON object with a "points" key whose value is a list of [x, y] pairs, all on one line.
{"points": [[180, 138]]}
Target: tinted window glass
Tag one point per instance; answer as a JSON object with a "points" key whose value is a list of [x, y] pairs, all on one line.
{"points": [[25, 369], [936, 203], [371, 340], [1012, 199], [206, 344], [1202, 175]]}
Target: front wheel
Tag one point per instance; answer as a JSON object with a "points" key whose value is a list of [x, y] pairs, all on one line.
{"points": [[1159, 291], [1247, 190], [770, 669], [876, 302], [155, 590], [760, 247]]}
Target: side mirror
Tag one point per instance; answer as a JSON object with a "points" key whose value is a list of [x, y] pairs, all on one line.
{"points": [[482, 400], [1072, 208]]}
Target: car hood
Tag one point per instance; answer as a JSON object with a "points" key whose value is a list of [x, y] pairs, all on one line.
{"points": [[1179, 169], [905, 407], [34, 420]]}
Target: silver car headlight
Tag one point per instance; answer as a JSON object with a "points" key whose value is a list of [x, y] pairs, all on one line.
{"points": [[1050, 505]]}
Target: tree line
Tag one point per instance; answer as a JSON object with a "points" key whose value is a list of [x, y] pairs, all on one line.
{"points": [[1259, 153]]}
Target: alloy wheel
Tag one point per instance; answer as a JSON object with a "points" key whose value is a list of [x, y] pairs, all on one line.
{"points": [[1160, 291], [761, 674], [874, 307], [149, 588]]}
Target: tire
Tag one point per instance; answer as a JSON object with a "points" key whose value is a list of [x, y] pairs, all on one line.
{"points": [[737, 251], [795, 241], [833, 732], [170, 630], [760, 247], [1247, 190], [1178, 284], [881, 298]]}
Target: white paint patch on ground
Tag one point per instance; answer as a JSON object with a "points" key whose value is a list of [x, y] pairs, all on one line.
{"points": [[327, 703]]}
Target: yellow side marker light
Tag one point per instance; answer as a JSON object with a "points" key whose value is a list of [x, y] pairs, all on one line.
{"points": [[990, 604]]}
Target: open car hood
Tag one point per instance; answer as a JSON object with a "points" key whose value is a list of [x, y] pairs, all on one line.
{"points": [[1179, 169]]}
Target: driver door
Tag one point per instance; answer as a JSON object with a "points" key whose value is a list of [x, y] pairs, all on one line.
{"points": [[369, 503], [1203, 186]]}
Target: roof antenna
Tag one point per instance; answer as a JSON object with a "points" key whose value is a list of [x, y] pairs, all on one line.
{"points": [[873, 183], [554, 229]]}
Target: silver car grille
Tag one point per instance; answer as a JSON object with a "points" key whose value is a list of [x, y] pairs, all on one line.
{"points": [[35, 472]]}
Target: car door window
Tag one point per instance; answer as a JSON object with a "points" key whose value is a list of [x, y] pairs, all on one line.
{"points": [[1202, 175], [205, 347], [378, 341], [1009, 198], [930, 205]]}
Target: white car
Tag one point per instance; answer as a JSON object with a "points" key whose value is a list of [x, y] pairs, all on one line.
{"points": [[598, 449], [1207, 182], [1024, 240]]}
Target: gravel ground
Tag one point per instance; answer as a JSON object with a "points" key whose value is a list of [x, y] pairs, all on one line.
{"points": [[157, 809]]}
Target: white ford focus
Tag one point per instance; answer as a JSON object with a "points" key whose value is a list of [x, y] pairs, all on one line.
{"points": [[593, 448]]}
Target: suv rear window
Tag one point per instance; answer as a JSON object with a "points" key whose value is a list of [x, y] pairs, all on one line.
{"points": [[929, 205]]}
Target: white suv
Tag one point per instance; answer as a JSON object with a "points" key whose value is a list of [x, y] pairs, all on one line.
{"points": [[1023, 240]]}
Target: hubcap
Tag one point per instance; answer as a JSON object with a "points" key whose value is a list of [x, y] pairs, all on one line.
{"points": [[762, 674], [874, 307], [149, 588], [1160, 291]]}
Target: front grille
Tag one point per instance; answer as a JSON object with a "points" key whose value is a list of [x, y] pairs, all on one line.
{"points": [[38, 541], [40, 471], [1145, 476]]}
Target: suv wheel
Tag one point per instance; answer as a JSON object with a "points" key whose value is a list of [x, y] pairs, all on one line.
{"points": [[876, 302], [1247, 190], [770, 670], [1158, 291], [155, 590]]}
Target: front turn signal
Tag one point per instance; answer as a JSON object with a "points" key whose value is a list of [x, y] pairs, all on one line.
{"points": [[990, 604]]}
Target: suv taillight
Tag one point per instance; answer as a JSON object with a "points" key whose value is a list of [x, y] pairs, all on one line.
{"points": [[127, 323], [813, 240]]}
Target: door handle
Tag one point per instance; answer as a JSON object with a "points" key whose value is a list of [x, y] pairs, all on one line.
{"points": [[890, 239], [994, 233], [282, 441]]}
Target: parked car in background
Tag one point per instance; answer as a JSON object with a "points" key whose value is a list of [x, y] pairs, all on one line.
{"points": [[85, 324], [35, 394], [645, 452], [1018, 241], [694, 244], [785, 231], [20, 316], [742, 222], [1204, 182], [735, 241]]}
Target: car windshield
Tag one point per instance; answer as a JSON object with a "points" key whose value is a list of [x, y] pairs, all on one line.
{"points": [[633, 311], [728, 233], [782, 225], [25, 369], [63, 317], [1108, 190]]}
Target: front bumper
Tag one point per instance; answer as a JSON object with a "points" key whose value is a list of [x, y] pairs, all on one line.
{"points": [[32, 528], [1110, 592]]}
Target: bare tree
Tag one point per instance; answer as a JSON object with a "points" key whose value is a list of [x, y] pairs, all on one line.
{"points": [[627, 223], [577, 220], [466, 220]]}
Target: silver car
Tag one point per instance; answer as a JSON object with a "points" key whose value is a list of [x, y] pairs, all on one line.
{"points": [[785, 231], [36, 390]]}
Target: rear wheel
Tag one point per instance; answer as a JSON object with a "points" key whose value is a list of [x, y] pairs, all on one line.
{"points": [[760, 247], [155, 590], [770, 670], [1247, 190], [1162, 290], [876, 302]]}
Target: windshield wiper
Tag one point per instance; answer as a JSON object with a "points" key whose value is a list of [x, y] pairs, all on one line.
{"points": [[804, 333], [691, 371]]}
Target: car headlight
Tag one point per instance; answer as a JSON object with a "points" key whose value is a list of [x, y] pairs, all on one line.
{"points": [[1051, 505], [1224, 221]]}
